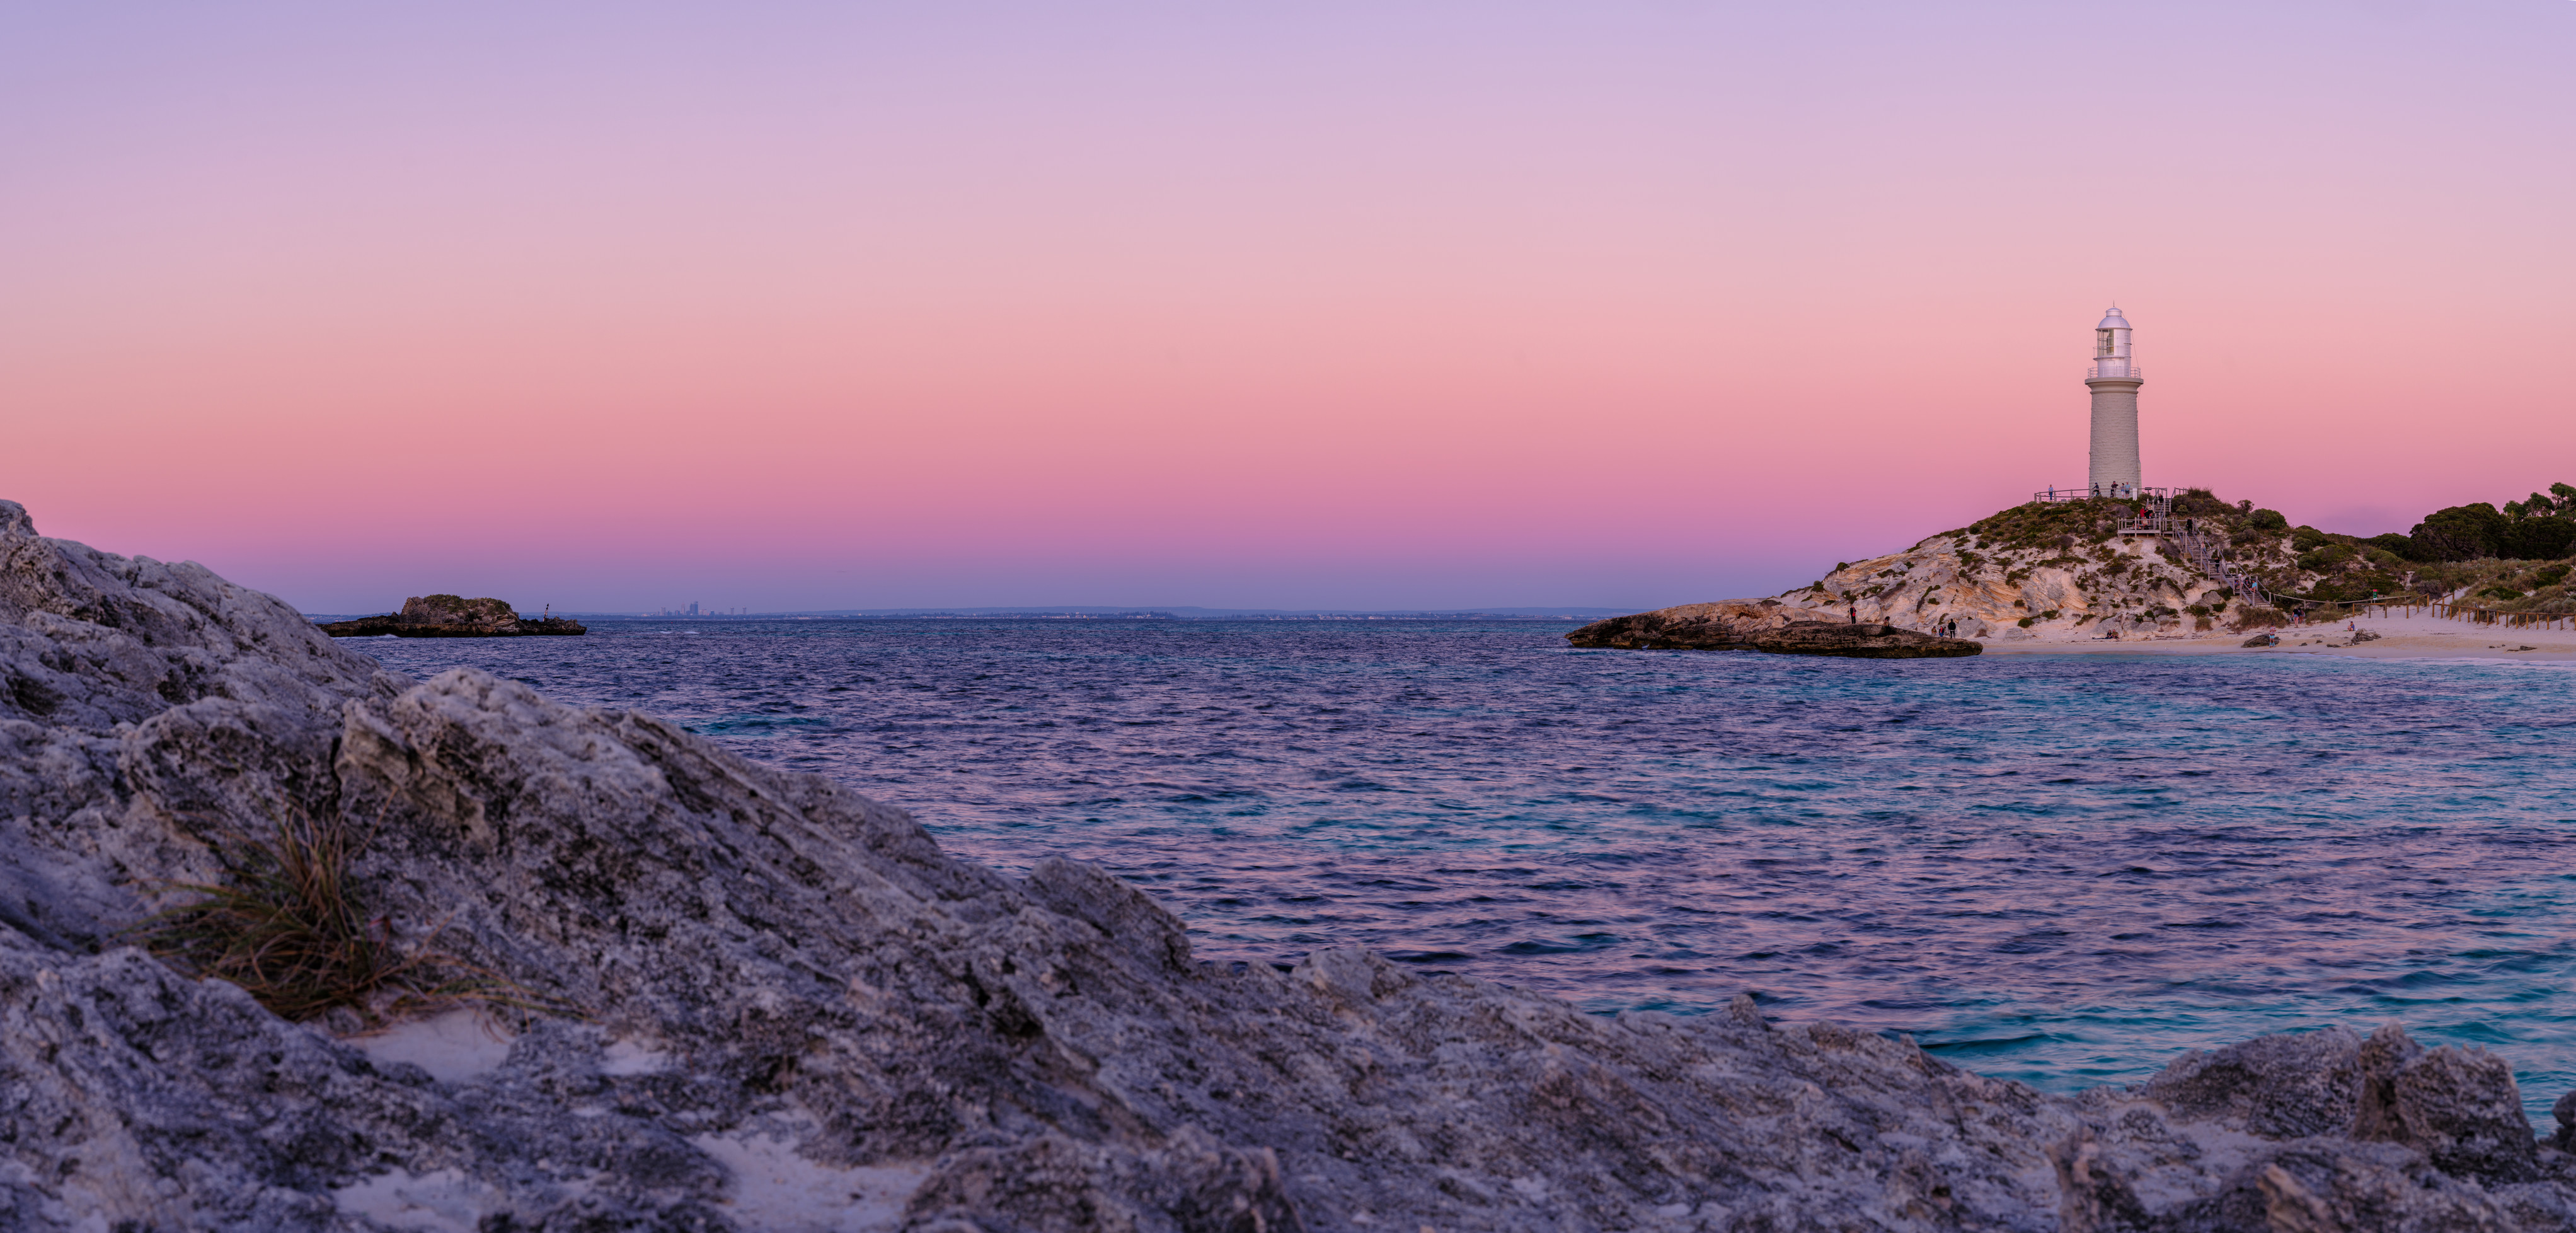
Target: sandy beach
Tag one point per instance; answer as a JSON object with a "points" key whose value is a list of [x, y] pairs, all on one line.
{"points": [[2417, 637]]}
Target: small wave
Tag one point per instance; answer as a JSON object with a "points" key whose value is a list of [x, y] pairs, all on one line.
{"points": [[2068, 867]]}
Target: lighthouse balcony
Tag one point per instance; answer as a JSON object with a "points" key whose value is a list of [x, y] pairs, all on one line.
{"points": [[2114, 370], [2112, 492]]}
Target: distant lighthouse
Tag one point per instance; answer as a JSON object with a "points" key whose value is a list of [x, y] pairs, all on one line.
{"points": [[2114, 379]]}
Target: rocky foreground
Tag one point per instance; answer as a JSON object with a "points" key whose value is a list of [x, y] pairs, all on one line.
{"points": [[758, 1000]]}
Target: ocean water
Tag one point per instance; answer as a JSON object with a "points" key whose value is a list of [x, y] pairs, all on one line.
{"points": [[2062, 869]]}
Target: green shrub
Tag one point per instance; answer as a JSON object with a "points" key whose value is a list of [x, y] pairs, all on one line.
{"points": [[2460, 533], [2537, 539], [2269, 520], [2200, 503], [2325, 558], [2401, 547]]}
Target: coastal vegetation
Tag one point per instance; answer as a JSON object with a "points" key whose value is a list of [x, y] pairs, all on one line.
{"points": [[2077, 569], [2514, 558]]}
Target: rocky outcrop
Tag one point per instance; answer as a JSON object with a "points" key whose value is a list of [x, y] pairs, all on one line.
{"points": [[1859, 642], [1729, 625], [771, 1003], [1762, 625], [449, 616], [2045, 571]]}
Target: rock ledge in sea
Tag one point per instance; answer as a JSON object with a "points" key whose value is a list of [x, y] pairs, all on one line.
{"points": [[796, 1013], [451, 616], [1860, 641], [1763, 625]]}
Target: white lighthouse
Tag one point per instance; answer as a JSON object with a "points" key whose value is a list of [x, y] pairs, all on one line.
{"points": [[2114, 379]]}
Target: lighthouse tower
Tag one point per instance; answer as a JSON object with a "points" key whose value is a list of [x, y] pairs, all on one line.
{"points": [[2114, 380]]}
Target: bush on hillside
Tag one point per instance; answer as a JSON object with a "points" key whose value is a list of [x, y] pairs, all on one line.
{"points": [[2042, 524], [2201, 503], [2537, 539], [2316, 558], [2400, 546], [2268, 520], [2460, 533]]}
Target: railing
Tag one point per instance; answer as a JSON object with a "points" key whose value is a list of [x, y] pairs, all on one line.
{"points": [[2112, 492], [2198, 547], [2478, 616], [2149, 511], [2114, 370]]}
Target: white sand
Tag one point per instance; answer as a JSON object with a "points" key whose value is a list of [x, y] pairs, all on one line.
{"points": [[453, 1047], [778, 1191], [631, 1057], [445, 1201]]}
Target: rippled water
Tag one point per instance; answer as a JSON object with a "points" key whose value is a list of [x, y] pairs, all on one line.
{"points": [[2064, 869]]}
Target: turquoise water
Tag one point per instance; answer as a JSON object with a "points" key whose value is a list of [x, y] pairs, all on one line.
{"points": [[2060, 869]]}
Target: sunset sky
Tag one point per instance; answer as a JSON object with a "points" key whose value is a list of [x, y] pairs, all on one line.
{"points": [[1384, 305]]}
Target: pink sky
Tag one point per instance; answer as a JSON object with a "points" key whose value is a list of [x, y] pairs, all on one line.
{"points": [[1425, 305]]}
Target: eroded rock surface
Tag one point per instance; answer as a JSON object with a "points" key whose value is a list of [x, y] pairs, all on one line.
{"points": [[1729, 625], [794, 1012], [1860, 642], [1763, 625]]}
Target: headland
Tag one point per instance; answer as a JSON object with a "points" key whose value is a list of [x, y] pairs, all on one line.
{"points": [[2190, 575]]}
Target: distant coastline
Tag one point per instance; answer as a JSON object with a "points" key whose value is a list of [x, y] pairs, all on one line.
{"points": [[1095, 614]]}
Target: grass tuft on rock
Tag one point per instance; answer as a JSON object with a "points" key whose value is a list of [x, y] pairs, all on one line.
{"points": [[289, 930]]}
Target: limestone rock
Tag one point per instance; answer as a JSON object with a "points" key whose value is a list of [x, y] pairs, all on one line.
{"points": [[486, 613], [1859, 642], [2121, 586], [1762, 625], [787, 1008], [1724, 626]]}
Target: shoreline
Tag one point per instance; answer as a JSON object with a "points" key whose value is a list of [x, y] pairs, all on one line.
{"points": [[2419, 637]]}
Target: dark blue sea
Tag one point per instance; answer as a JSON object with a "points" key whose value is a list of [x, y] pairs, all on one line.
{"points": [[2062, 869]]}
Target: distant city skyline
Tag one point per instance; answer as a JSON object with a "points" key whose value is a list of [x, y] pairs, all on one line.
{"points": [[1365, 307]]}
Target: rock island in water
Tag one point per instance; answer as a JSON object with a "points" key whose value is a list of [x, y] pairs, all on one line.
{"points": [[451, 616]]}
